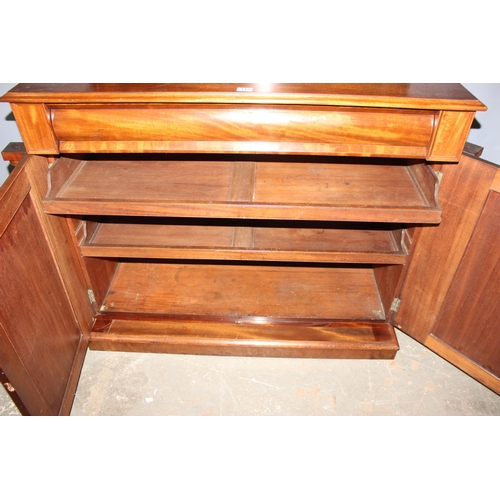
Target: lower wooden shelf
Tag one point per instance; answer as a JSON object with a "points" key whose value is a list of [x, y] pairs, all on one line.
{"points": [[340, 340], [235, 291], [243, 309]]}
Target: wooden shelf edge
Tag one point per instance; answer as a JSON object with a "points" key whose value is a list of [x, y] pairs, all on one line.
{"points": [[340, 340], [82, 207], [238, 254]]}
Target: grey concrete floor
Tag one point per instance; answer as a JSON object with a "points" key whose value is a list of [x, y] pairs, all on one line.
{"points": [[416, 382]]}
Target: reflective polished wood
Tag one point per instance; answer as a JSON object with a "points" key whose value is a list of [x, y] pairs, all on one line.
{"points": [[241, 219]]}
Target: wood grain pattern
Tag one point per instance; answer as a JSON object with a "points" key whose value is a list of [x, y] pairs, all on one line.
{"points": [[39, 335], [236, 291], [34, 125], [315, 291], [387, 120], [242, 182], [450, 135], [469, 318], [243, 237], [335, 340], [347, 185], [386, 95], [369, 191], [63, 244], [196, 122], [297, 242], [238, 128], [438, 250]]}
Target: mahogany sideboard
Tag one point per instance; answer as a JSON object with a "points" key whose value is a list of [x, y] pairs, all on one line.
{"points": [[300, 220]]}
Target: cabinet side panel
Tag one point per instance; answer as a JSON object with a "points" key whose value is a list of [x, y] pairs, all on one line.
{"points": [[470, 317], [438, 250]]}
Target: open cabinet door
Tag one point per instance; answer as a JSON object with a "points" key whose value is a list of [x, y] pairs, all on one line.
{"points": [[43, 335], [449, 295]]}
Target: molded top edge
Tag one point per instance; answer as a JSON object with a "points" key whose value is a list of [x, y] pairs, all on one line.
{"points": [[436, 96]]}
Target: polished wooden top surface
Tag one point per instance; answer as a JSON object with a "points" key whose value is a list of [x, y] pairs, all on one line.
{"points": [[445, 96]]}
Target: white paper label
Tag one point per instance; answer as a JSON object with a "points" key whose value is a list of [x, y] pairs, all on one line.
{"points": [[244, 89]]}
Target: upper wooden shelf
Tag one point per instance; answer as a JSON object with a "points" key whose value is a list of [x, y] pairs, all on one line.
{"points": [[428, 121], [356, 191]]}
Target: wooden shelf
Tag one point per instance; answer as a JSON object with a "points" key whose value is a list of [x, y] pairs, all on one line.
{"points": [[220, 239], [333, 340], [244, 292], [364, 191], [245, 310]]}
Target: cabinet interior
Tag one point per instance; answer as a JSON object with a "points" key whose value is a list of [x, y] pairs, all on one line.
{"points": [[314, 246], [291, 221]]}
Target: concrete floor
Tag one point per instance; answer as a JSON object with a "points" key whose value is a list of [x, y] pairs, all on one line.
{"points": [[417, 382]]}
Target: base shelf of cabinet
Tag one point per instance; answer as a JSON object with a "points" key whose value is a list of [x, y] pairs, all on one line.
{"points": [[248, 309], [234, 290], [337, 340]]}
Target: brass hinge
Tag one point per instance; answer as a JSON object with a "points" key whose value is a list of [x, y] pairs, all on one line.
{"points": [[91, 296], [395, 305]]}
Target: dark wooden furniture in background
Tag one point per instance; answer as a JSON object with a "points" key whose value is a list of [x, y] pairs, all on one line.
{"points": [[292, 220], [13, 153]]}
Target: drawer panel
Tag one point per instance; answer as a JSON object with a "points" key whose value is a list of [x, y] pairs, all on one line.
{"points": [[243, 129]]}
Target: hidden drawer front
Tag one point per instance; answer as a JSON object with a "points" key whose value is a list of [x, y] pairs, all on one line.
{"points": [[327, 130]]}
